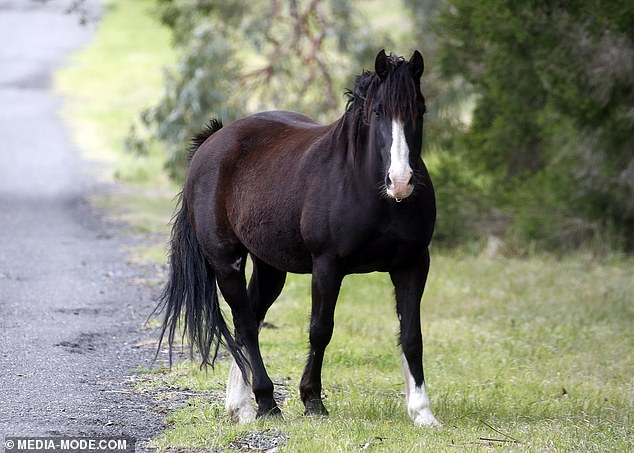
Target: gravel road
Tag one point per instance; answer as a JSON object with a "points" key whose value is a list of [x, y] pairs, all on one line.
{"points": [[71, 307]]}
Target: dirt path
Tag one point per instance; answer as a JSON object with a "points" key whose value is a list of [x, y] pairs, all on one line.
{"points": [[71, 308]]}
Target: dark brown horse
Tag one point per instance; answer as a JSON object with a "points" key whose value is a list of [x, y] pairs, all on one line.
{"points": [[350, 197]]}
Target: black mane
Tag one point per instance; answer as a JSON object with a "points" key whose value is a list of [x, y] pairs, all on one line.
{"points": [[395, 96]]}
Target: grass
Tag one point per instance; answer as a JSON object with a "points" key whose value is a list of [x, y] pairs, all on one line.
{"points": [[535, 353], [537, 349]]}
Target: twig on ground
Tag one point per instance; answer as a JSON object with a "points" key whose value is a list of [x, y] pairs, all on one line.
{"points": [[490, 439], [514, 440]]}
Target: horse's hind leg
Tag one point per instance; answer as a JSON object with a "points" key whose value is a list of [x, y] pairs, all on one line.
{"points": [[238, 396], [232, 284], [264, 287]]}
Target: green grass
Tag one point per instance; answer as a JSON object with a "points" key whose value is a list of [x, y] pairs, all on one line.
{"points": [[539, 349]]}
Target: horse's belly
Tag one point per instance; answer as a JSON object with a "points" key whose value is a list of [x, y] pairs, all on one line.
{"points": [[276, 242], [382, 253], [286, 255]]}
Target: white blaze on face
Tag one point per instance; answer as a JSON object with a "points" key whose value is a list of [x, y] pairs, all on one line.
{"points": [[400, 172], [417, 400]]}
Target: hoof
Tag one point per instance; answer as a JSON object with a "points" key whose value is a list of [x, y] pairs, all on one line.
{"points": [[427, 419], [242, 415], [273, 412], [315, 408]]}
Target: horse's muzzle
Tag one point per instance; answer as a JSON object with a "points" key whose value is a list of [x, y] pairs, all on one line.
{"points": [[400, 188]]}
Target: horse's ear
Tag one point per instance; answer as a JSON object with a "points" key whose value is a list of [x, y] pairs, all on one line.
{"points": [[381, 65], [417, 64]]}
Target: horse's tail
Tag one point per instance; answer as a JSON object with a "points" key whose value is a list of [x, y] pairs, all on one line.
{"points": [[212, 126], [191, 290]]}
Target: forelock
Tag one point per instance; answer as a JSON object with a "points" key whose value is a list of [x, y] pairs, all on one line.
{"points": [[396, 95]]}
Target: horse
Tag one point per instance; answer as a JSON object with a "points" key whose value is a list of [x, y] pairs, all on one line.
{"points": [[296, 196]]}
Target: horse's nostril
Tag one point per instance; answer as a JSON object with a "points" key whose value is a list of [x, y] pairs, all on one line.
{"points": [[392, 180]]}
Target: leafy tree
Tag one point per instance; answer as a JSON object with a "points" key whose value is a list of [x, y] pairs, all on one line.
{"points": [[552, 124]]}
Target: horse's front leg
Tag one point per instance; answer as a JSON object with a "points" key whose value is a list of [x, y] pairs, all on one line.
{"points": [[326, 282], [409, 284]]}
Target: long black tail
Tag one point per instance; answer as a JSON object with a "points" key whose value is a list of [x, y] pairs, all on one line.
{"points": [[191, 290]]}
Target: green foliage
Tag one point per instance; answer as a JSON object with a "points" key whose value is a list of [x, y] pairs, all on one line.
{"points": [[552, 125], [460, 196], [195, 91]]}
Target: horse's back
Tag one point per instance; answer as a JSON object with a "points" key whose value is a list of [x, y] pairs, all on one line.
{"points": [[266, 133], [281, 118], [275, 126]]}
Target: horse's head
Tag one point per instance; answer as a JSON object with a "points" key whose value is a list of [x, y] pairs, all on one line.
{"points": [[394, 111]]}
